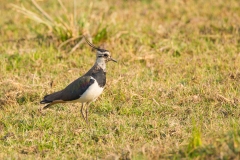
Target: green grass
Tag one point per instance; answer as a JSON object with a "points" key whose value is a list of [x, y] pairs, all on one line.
{"points": [[174, 94]]}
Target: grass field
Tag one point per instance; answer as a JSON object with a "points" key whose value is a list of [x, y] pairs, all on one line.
{"points": [[174, 93]]}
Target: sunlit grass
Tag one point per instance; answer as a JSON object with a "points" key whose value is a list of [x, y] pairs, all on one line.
{"points": [[174, 93]]}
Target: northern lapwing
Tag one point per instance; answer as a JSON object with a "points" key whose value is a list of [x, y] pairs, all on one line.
{"points": [[87, 88]]}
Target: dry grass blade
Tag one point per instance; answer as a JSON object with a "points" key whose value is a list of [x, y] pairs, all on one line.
{"points": [[77, 45], [42, 11], [224, 99], [63, 7], [32, 15], [68, 41]]}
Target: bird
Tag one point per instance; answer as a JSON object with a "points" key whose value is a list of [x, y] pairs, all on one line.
{"points": [[86, 88]]}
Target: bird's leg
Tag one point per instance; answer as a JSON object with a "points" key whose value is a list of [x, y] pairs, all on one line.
{"points": [[82, 111], [86, 113]]}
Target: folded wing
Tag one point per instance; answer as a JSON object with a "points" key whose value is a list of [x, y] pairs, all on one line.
{"points": [[72, 92]]}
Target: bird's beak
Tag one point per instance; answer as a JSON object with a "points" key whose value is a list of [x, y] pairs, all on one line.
{"points": [[111, 59]]}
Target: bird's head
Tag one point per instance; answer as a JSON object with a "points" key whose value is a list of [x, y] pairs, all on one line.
{"points": [[102, 54]]}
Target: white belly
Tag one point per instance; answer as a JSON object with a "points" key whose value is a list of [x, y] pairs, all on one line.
{"points": [[92, 93]]}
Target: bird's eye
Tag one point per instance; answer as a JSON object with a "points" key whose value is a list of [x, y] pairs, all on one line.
{"points": [[105, 55]]}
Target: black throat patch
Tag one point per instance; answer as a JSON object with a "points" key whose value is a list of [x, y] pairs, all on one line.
{"points": [[97, 73]]}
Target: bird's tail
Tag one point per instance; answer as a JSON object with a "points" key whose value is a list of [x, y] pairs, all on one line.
{"points": [[52, 99]]}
